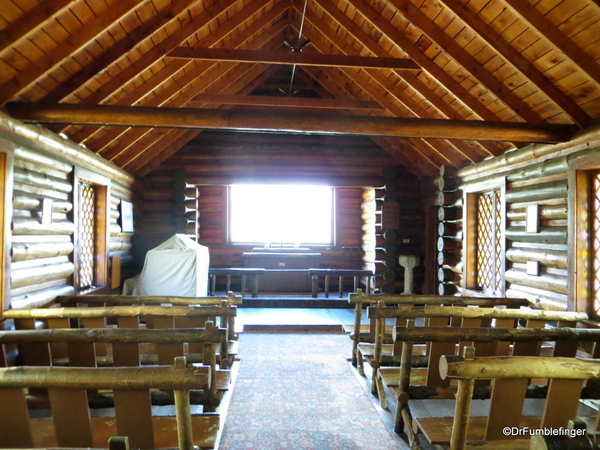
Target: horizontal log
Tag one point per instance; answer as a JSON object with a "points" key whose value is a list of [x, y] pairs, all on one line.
{"points": [[519, 367], [491, 313], [448, 288], [114, 335], [160, 377], [547, 212], [41, 160], [27, 226], [40, 298], [542, 299], [120, 311], [32, 203], [544, 281], [485, 334], [149, 300], [537, 192], [104, 115], [359, 297], [23, 252], [546, 257], [547, 235], [36, 275], [26, 176]]}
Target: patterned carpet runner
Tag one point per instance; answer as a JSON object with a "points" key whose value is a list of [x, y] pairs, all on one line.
{"points": [[297, 391]]}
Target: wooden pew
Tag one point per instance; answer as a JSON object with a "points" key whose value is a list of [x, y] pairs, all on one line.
{"points": [[125, 349], [523, 340], [73, 424], [366, 334], [130, 317], [566, 379], [452, 316]]}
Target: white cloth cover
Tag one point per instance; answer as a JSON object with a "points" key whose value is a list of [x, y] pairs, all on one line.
{"points": [[177, 267]]}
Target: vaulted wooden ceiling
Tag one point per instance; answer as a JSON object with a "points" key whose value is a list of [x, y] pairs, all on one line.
{"points": [[530, 62]]}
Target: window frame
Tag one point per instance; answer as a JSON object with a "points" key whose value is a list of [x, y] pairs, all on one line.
{"points": [[470, 196], [6, 189], [579, 233], [102, 185], [334, 222]]}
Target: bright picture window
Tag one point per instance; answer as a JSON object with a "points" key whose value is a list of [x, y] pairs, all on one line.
{"points": [[281, 214]]}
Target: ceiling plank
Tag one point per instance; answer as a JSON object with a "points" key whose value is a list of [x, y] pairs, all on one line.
{"points": [[148, 162], [298, 58], [243, 120], [526, 67], [149, 85], [216, 72], [461, 95], [65, 49], [205, 18], [409, 154], [31, 21], [121, 49], [390, 88], [285, 102], [462, 57], [536, 20]]}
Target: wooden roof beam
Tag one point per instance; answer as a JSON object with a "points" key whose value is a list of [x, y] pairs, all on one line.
{"points": [[536, 20], [285, 102], [109, 115], [298, 58], [64, 50], [32, 21], [522, 64], [133, 142]]}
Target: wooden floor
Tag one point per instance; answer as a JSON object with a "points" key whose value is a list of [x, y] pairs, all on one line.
{"points": [[293, 319]]}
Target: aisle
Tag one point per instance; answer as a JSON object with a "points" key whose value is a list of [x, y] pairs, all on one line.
{"points": [[297, 391]]}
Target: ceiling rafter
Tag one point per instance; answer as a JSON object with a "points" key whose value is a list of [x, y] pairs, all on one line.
{"points": [[65, 49], [138, 94], [502, 92], [536, 20], [418, 166], [150, 164], [448, 155], [31, 21], [461, 94], [522, 64], [415, 110], [130, 148], [119, 50]]}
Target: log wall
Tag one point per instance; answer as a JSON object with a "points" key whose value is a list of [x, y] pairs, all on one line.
{"points": [[538, 176], [41, 251]]}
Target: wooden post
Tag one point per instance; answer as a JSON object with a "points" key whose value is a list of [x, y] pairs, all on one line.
{"points": [[462, 408], [183, 412]]}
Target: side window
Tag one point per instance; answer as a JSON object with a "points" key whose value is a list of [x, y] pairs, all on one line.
{"points": [[485, 249], [584, 235], [92, 239]]}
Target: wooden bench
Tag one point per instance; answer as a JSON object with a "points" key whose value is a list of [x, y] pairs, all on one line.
{"points": [[489, 341], [447, 316], [510, 377], [363, 340], [73, 424], [225, 311], [244, 273], [340, 273], [125, 350]]}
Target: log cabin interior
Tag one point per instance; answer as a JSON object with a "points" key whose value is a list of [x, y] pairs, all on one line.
{"points": [[441, 150]]}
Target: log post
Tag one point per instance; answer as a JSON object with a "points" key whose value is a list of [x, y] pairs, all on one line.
{"points": [[183, 412], [462, 409]]}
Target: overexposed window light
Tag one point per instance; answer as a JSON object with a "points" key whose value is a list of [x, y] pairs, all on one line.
{"points": [[281, 215]]}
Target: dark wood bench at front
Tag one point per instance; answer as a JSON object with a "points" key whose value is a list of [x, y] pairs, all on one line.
{"points": [[340, 273], [243, 273], [74, 424]]}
